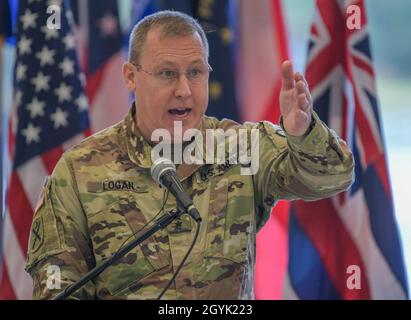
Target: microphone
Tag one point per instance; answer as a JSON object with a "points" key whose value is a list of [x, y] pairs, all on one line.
{"points": [[164, 172]]}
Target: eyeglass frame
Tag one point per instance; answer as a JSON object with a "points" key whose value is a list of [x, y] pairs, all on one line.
{"points": [[140, 68]]}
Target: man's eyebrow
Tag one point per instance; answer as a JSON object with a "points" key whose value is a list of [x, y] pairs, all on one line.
{"points": [[167, 63], [197, 61]]}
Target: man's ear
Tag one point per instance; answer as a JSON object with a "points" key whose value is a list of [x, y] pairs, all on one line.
{"points": [[129, 76]]}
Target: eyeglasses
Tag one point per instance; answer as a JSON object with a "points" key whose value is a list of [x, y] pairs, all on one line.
{"points": [[168, 76]]}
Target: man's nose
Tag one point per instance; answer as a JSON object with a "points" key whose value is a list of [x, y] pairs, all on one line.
{"points": [[183, 89]]}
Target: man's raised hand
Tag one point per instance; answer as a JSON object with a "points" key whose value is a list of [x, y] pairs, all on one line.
{"points": [[295, 101]]}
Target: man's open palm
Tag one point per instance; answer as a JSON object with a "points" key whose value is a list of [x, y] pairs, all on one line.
{"points": [[295, 101]]}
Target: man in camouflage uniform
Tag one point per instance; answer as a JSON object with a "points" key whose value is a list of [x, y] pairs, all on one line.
{"points": [[101, 191]]}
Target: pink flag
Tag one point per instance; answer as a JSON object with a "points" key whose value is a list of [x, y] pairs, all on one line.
{"points": [[262, 47]]}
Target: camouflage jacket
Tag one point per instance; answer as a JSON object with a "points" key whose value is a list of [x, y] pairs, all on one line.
{"points": [[101, 193]]}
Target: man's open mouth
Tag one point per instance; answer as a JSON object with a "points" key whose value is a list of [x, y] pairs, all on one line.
{"points": [[179, 112]]}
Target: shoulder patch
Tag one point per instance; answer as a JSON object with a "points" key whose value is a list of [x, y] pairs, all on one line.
{"points": [[37, 234]]}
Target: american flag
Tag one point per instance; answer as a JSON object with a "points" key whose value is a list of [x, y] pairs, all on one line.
{"points": [[347, 246], [101, 57], [50, 114]]}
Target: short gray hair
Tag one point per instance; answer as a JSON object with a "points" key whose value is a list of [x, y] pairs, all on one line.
{"points": [[171, 23]]}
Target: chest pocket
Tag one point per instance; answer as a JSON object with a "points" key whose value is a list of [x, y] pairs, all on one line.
{"points": [[228, 219], [109, 229]]}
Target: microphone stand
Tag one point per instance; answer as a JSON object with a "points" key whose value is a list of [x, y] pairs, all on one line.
{"points": [[161, 223]]}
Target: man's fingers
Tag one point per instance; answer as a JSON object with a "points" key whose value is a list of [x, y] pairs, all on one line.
{"points": [[306, 83], [298, 77], [287, 75], [308, 95], [300, 87], [303, 102]]}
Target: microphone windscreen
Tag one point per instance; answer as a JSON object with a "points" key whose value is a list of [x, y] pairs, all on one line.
{"points": [[160, 166]]}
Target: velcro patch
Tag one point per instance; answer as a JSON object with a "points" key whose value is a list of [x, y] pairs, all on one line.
{"points": [[115, 185]]}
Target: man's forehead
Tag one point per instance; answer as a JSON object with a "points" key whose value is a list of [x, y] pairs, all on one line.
{"points": [[162, 47]]}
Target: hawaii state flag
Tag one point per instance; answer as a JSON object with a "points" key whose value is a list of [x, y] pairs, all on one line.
{"points": [[347, 246]]}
